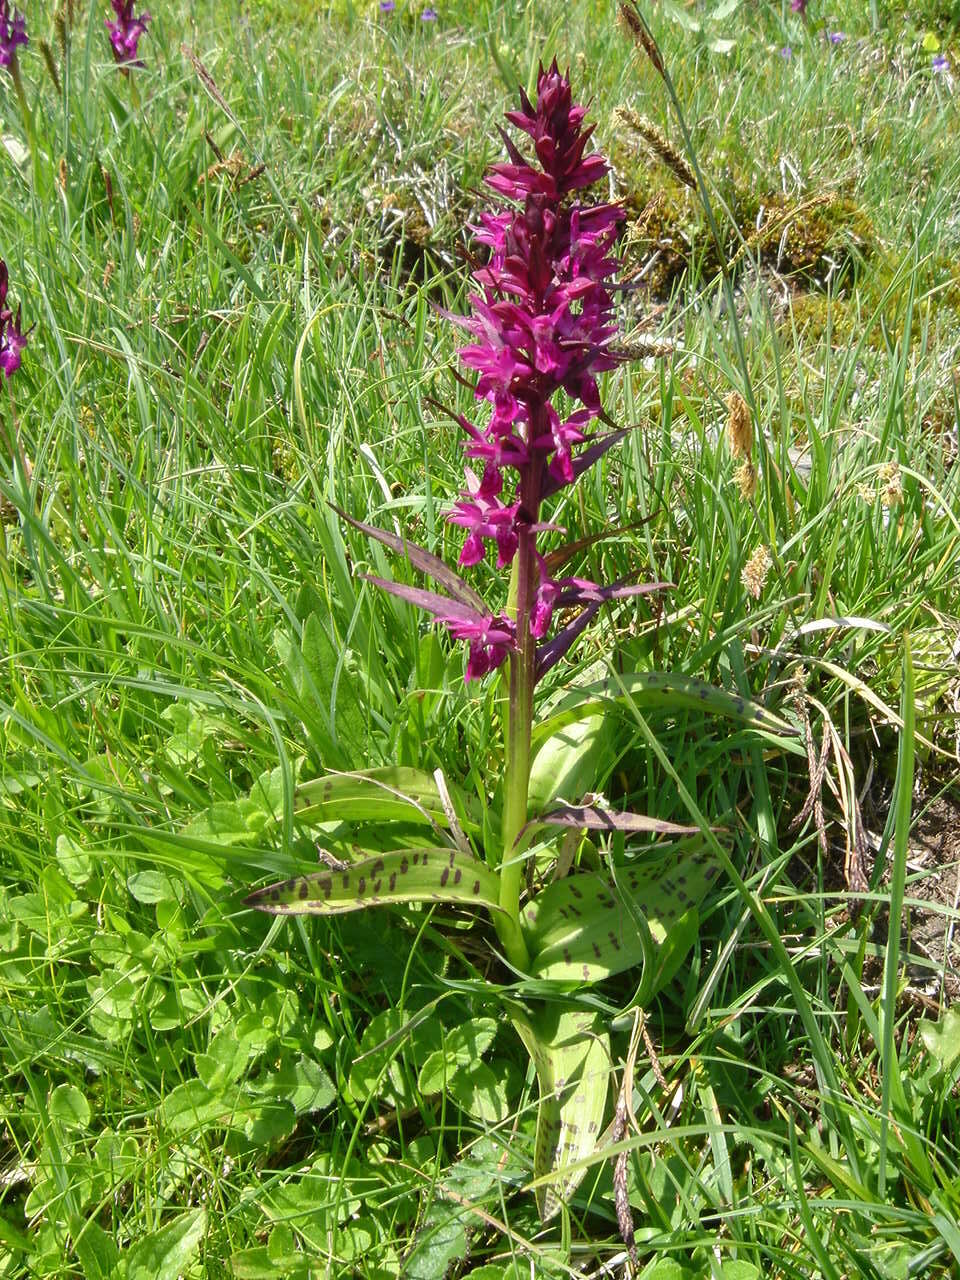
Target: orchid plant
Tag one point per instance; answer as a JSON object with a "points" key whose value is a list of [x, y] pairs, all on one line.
{"points": [[540, 333]]}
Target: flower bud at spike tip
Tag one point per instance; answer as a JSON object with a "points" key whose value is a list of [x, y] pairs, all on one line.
{"points": [[125, 33], [13, 31]]}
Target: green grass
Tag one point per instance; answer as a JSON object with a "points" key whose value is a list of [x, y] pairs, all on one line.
{"points": [[191, 1089]]}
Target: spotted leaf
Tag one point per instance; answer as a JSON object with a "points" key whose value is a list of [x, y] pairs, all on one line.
{"points": [[571, 1053], [666, 691], [587, 927], [404, 875]]}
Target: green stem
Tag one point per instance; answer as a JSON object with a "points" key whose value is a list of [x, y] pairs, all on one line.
{"points": [[517, 762]]}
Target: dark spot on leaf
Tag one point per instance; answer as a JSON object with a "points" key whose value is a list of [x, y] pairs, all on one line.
{"points": [[476, 887], [346, 882], [457, 876], [596, 950], [377, 867], [393, 881], [416, 859], [361, 886], [275, 895], [376, 887], [444, 876], [404, 866], [614, 941], [452, 855], [574, 890], [304, 890]]}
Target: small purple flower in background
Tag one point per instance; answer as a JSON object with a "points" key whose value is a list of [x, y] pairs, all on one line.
{"points": [[428, 15], [836, 37], [786, 52], [799, 6], [940, 62], [13, 31], [12, 338], [387, 6], [125, 33]]}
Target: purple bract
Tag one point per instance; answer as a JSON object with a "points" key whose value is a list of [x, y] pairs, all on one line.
{"points": [[13, 31], [125, 33], [12, 338]]}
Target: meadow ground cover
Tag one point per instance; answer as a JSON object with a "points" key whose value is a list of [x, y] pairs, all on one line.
{"points": [[229, 276]]}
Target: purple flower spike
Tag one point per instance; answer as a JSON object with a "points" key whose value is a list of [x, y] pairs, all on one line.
{"points": [[12, 337], [125, 33], [387, 6], [541, 324], [13, 31]]}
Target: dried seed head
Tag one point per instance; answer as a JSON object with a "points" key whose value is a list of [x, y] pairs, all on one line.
{"points": [[746, 479], [892, 493], [658, 142], [754, 575], [637, 30], [642, 348], [739, 428], [50, 63]]}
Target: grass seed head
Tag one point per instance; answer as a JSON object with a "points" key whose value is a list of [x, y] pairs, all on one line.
{"points": [[739, 426], [754, 575], [658, 142]]}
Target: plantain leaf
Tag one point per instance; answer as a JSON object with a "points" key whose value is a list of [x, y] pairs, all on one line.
{"points": [[585, 928], [667, 691], [571, 1053], [390, 794], [403, 875]]}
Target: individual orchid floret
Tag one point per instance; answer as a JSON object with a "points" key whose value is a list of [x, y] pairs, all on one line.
{"points": [[125, 33], [12, 337], [13, 31], [485, 516]]}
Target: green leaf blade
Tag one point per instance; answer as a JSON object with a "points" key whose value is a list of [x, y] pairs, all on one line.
{"points": [[404, 875]]}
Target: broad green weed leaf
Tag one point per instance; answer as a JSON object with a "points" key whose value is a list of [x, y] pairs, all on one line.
{"points": [[666, 691], [75, 862], [484, 1090], [405, 875], [568, 763], [942, 1039], [96, 1252], [153, 886], [225, 1060], [462, 1045], [441, 1241], [571, 1053], [256, 1264], [69, 1107], [585, 928], [302, 1083], [166, 1253]]}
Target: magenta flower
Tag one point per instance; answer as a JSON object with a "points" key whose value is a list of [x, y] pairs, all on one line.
{"points": [[13, 31], [125, 33], [12, 338], [541, 323], [799, 6]]}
